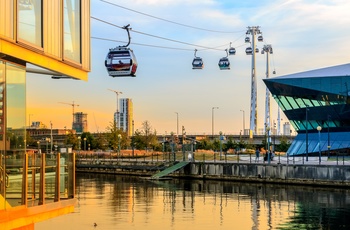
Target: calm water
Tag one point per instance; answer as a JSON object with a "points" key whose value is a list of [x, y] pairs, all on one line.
{"points": [[122, 202]]}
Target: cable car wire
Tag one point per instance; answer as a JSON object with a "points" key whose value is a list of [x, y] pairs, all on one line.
{"points": [[169, 21], [156, 36], [140, 44]]}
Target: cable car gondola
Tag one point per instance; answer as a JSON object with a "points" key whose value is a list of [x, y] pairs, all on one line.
{"points": [[249, 51], [260, 38], [224, 63], [256, 50], [231, 50], [247, 39], [197, 62], [121, 61]]}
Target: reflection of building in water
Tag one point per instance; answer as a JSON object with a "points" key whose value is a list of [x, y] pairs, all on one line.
{"points": [[210, 204], [33, 39]]}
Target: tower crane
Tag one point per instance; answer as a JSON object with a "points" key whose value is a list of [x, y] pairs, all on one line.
{"points": [[117, 93], [71, 104]]}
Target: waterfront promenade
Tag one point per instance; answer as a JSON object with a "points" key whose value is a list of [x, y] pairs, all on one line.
{"points": [[332, 171]]}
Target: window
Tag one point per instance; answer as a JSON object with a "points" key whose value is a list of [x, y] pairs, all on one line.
{"points": [[30, 22], [72, 30]]}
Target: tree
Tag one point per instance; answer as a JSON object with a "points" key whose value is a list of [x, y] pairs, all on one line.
{"points": [[146, 138], [204, 144], [115, 136], [284, 144], [100, 142], [72, 139]]}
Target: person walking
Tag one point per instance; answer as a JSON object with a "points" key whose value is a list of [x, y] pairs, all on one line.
{"points": [[257, 155]]}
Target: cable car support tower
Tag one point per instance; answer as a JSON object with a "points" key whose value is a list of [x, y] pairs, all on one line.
{"points": [[253, 31], [268, 50]]}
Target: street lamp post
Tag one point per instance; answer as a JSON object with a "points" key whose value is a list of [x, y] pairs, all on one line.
{"points": [[47, 144], [319, 128], [220, 141], [84, 143], [119, 140], [243, 121], [212, 121], [177, 123], [306, 133], [268, 144], [30, 125], [329, 144], [79, 144]]}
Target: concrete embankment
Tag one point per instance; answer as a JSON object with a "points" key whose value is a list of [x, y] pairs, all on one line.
{"points": [[306, 174]]}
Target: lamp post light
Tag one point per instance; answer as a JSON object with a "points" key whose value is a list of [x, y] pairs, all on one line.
{"points": [[212, 121], [319, 128], [119, 140], [243, 121], [79, 144], [47, 144], [38, 142], [84, 143]]}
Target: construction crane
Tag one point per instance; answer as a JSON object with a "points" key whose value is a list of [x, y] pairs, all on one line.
{"points": [[71, 104], [117, 93]]}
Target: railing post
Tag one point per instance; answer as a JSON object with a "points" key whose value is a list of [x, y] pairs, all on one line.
{"points": [[42, 180], [57, 178], [25, 181]]}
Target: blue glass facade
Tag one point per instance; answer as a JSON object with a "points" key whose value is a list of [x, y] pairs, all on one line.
{"points": [[317, 98]]}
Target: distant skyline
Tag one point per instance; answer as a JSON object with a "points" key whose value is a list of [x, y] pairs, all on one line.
{"points": [[305, 35]]}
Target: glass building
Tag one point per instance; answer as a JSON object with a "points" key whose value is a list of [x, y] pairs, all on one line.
{"points": [[317, 104]]}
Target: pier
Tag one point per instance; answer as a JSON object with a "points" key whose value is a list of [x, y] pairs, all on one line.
{"points": [[288, 170]]}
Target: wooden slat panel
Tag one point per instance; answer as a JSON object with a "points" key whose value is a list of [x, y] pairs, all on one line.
{"points": [[7, 19], [52, 24], [85, 36]]}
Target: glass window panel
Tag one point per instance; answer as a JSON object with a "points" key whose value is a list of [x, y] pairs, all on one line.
{"points": [[72, 30], [15, 131], [30, 22], [307, 102], [312, 145], [285, 103]]}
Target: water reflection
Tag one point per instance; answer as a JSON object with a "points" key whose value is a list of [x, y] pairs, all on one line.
{"points": [[121, 202]]}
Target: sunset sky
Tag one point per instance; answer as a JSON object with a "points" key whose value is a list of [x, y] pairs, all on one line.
{"points": [[305, 35]]}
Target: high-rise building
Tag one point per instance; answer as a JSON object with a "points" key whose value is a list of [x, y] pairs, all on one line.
{"points": [[125, 118], [80, 124]]}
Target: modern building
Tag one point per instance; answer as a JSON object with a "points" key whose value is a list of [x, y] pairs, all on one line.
{"points": [[317, 104], [44, 37], [125, 115], [80, 124]]}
